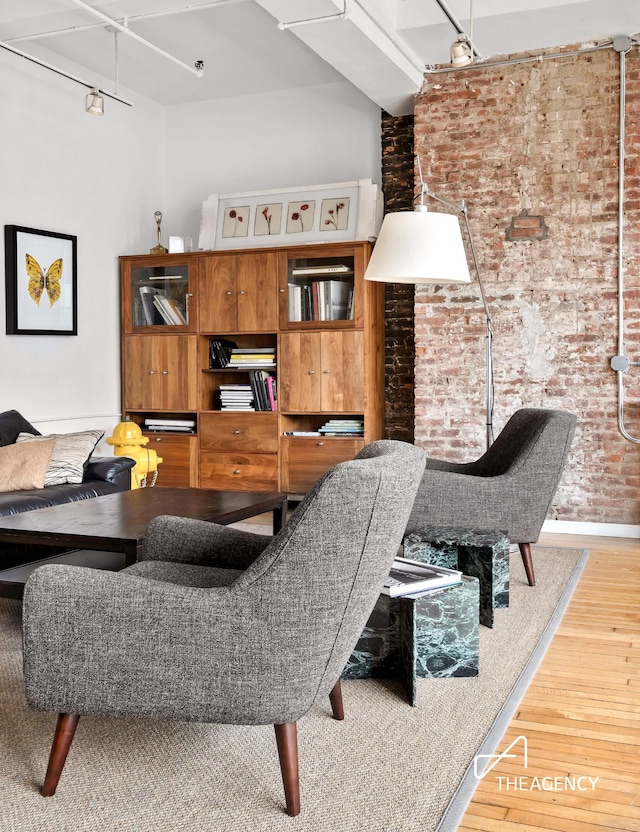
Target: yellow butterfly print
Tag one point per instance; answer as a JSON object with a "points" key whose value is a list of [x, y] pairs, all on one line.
{"points": [[39, 281]]}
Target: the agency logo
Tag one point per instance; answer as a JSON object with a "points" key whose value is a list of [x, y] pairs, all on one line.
{"points": [[481, 759], [519, 750]]}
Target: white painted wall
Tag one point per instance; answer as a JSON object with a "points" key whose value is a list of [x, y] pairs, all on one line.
{"points": [[101, 178], [288, 138]]}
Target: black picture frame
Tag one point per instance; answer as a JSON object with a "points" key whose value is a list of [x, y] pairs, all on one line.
{"points": [[40, 281]]}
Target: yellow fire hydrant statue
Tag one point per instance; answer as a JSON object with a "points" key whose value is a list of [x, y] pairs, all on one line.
{"points": [[127, 440]]}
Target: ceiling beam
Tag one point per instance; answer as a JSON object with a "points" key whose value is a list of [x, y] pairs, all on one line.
{"points": [[363, 48]]}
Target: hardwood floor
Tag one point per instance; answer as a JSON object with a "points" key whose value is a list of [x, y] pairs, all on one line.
{"points": [[581, 713]]}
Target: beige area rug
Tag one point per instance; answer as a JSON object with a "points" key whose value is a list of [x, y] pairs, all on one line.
{"points": [[387, 768]]}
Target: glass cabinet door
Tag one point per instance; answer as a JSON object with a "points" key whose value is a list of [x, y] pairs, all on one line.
{"points": [[159, 295], [320, 289]]}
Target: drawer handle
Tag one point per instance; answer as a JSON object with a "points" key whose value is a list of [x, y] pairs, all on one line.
{"points": [[326, 371], [312, 372], [236, 432], [242, 292], [228, 292], [320, 444], [237, 471], [165, 372], [282, 291]]}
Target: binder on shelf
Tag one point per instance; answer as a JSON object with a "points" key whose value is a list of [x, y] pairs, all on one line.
{"points": [[219, 352]]}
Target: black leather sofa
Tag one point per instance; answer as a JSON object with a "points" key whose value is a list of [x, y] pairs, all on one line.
{"points": [[102, 475]]}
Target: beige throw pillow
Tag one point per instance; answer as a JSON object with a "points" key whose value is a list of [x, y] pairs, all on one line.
{"points": [[23, 467], [71, 452]]}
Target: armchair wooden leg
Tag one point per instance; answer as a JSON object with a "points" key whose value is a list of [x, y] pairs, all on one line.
{"points": [[335, 697], [287, 740], [65, 729], [525, 551]]}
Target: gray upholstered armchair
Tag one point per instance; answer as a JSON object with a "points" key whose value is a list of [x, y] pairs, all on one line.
{"points": [[509, 488], [220, 625]]}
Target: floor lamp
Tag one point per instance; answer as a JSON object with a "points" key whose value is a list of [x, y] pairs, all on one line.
{"points": [[426, 247]]}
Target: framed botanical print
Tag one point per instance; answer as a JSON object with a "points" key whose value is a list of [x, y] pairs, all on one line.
{"points": [[310, 214], [40, 282]]}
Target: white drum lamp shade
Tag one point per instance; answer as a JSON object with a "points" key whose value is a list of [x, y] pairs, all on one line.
{"points": [[419, 247]]}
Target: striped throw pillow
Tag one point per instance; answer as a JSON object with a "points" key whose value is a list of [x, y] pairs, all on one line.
{"points": [[69, 455]]}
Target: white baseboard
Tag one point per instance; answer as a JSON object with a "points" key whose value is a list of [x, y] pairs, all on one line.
{"points": [[595, 529]]}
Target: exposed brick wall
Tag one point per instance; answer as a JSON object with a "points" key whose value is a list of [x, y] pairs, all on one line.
{"points": [[540, 138], [397, 187]]}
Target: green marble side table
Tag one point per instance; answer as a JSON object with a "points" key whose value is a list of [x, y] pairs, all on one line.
{"points": [[434, 634], [482, 554]]}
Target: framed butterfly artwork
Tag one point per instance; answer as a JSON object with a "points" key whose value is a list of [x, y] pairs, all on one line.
{"points": [[40, 281]]}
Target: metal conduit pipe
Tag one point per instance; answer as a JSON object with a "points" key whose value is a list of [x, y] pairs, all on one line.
{"points": [[620, 363]]}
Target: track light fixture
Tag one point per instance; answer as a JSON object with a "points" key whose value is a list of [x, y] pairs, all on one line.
{"points": [[95, 103], [462, 50]]}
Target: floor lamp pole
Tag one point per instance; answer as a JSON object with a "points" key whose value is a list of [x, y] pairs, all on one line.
{"points": [[462, 209]]}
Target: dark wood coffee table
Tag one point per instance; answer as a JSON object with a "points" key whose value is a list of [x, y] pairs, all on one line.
{"points": [[115, 524]]}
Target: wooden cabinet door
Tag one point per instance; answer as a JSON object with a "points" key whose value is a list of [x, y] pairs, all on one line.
{"points": [[238, 472], [305, 459], [140, 382], [239, 293], [217, 294], [299, 370], [257, 292], [178, 373], [179, 455], [342, 371], [159, 372], [242, 432]]}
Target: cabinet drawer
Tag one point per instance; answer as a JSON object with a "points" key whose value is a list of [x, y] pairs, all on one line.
{"points": [[248, 432], [239, 472], [305, 459], [179, 454]]}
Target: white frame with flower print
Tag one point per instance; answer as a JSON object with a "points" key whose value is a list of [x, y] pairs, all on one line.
{"points": [[270, 218]]}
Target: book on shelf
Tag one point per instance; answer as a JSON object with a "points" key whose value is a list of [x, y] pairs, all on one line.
{"points": [[343, 427], [251, 362], [302, 270], [254, 350], [160, 304], [175, 423], [178, 311], [151, 314], [167, 429], [248, 357], [301, 433], [236, 397], [410, 577], [263, 386], [272, 391], [219, 352], [295, 302]]}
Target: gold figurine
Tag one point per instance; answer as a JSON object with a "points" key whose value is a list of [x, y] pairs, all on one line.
{"points": [[159, 249]]}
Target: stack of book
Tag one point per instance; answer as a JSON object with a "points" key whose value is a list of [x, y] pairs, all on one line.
{"points": [[343, 427], [409, 577], [170, 425], [236, 397], [252, 357]]}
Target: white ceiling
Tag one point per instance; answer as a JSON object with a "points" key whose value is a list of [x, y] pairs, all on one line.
{"points": [[381, 47]]}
